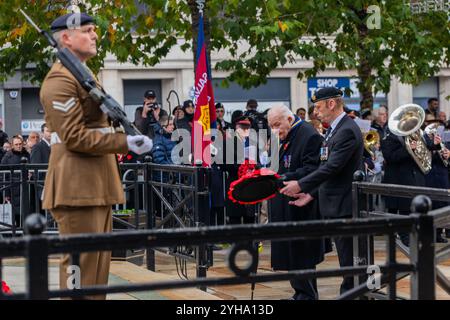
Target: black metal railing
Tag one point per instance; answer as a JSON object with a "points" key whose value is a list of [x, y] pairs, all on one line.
{"points": [[157, 197], [439, 218], [36, 248], [179, 198]]}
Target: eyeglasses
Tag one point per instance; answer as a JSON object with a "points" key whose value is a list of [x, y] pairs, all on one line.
{"points": [[221, 111]]}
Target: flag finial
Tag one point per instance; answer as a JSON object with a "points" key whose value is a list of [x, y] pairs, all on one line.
{"points": [[200, 5]]}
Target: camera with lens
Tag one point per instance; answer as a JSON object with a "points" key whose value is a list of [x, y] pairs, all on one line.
{"points": [[259, 120], [151, 106]]}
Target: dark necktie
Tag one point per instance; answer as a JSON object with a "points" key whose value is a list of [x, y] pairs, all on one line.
{"points": [[327, 133]]}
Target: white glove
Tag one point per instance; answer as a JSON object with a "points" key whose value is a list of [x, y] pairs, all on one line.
{"points": [[139, 144], [214, 150]]}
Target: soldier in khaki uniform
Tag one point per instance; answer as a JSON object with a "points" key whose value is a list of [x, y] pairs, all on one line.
{"points": [[83, 179]]}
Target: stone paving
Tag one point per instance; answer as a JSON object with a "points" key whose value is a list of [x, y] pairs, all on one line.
{"points": [[125, 272]]}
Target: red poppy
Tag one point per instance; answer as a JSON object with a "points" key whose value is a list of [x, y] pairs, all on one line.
{"points": [[5, 288]]}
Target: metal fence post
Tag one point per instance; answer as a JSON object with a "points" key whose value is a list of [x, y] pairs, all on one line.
{"points": [[149, 207], [391, 260], [202, 212], [423, 281], [360, 254], [37, 258]]}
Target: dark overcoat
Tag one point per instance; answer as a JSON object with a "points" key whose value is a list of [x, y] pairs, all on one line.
{"points": [[299, 155]]}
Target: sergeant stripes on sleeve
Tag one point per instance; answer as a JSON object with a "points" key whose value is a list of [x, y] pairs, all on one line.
{"points": [[64, 107]]}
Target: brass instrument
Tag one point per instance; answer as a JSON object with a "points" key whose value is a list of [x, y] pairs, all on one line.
{"points": [[371, 138], [406, 121], [431, 129]]}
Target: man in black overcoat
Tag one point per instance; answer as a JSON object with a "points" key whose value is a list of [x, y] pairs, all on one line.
{"points": [[298, 156], [341, 155]]}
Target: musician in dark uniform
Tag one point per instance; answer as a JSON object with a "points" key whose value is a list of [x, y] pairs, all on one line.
{"points": [[401, 168], [340, 155], [298, 156], [438, 176]]}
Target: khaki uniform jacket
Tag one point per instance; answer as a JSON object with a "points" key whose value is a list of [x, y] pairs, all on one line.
{"points": [[83, 169]]}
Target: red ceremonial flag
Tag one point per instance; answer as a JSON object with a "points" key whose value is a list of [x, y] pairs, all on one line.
{"points": [[205, 110]]}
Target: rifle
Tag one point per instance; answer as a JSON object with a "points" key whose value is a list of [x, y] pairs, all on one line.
{"points": [[108, 104]]}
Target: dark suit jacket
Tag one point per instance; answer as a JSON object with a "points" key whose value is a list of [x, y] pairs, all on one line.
{"points": [[332, 181], [40, 153], [299, 156]]}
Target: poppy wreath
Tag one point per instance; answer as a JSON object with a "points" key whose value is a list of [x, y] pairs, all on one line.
{"points": [[263, 179]]}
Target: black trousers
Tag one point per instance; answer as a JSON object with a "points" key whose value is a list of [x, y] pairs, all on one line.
{"points": [[344, 247], [305, 289], [217, 217]]}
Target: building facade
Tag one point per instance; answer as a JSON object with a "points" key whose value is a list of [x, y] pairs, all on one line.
{"points": [[22, 112]]}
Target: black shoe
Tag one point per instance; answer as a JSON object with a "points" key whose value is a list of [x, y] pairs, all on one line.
{"points": [[215, 247], [304, 297], [404, 238], [440, 239], [294, 297], [447, 233]]}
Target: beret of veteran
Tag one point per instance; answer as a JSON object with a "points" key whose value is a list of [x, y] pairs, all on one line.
{"points": [[71, 21], [326, 93]]}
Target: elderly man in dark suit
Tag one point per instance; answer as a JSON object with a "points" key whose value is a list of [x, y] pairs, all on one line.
{"points": [[298, 156], [40, 153], [340, 155]]}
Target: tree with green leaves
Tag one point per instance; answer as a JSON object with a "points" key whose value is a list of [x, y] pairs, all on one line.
{"points": [[378, 39]]}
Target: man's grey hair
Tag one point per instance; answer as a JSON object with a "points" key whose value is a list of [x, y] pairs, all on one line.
{"points": [[377, 111], [57, 36], [281, 110]]}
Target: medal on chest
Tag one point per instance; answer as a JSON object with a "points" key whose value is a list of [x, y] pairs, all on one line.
{"points": [[287, 161], [324, 153]]}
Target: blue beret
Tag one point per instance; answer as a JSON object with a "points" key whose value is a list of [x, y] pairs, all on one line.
{"points": [[70, 20], [326, 93]]}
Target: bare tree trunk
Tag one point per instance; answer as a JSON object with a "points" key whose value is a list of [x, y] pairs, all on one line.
{"points": [[365, 86], [207, 30], [364, 69]]}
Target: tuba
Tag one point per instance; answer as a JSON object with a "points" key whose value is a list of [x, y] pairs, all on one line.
{"points": [[406, 121], [371, 138], [431, 130]]}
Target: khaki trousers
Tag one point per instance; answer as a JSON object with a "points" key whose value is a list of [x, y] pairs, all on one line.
{"points": [[94, 266]]}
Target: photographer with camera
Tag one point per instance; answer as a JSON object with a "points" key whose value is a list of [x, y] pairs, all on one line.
{"points": [[146, 117], [258, 119]]}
